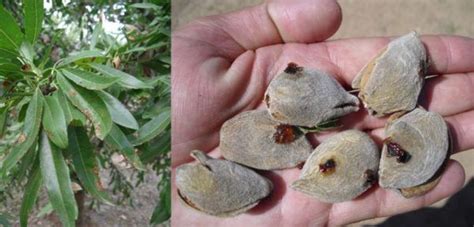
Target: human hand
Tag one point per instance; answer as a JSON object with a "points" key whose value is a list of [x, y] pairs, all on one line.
{"points": [[223, 64]]}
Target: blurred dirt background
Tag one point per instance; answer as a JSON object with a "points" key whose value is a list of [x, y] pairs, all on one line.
{"points": [[131, 213], [385, 18]]}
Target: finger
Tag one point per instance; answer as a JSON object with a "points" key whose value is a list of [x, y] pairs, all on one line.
{"points": [[267, 24], [462, 130], [448, 54], [449, 94], [345, 58], [305, 21], [382, 202]]}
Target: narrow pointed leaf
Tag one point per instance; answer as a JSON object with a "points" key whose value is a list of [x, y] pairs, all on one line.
{"points": [[54, 122], [10, 33], [65, 106], [79, 119], [89, 80], [85, 163], [90, 104], [29, 134], [55, 174], [81, 56], [7, 53], [27, 52], [72, 115], [152, 128], [26, 162], [145, 6], [155, 148], [119, 112], [32, 190], [95, 35], [34, 14], [117, 140], [126, 80], [3, 120], [162, 211]]}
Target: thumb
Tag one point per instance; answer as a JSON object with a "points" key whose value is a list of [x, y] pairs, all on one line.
{"points": [[272, 22]]}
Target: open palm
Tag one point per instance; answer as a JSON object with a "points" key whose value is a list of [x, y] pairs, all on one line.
{"points": [[223, 64]]}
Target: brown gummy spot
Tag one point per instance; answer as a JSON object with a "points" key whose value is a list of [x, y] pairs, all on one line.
{"points": [[395, 150], [284, 134], [293, 68], [327, 167], [370, 177]]}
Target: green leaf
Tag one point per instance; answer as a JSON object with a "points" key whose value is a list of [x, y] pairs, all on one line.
{"points": [[152, 128], [143, 49], [54, 122], [85, 163], [65, 106], [79, 119], [145, 6], [10, 33], [80, 56], [89, 103], [117, 140], [29, 134], [27, 52], [45, 210], [3, 120], [166, 59], [27, 162], [95, 35], [330, 124], [155, 148], [118, 111], [7, 53], [89, 80], [72, 114], [34, 14], [9, 67], [32, 189], [162, 211], [55, 174], [126, 80]]}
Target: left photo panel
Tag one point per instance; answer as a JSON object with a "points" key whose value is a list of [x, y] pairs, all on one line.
{"points": [[85, 113]]}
